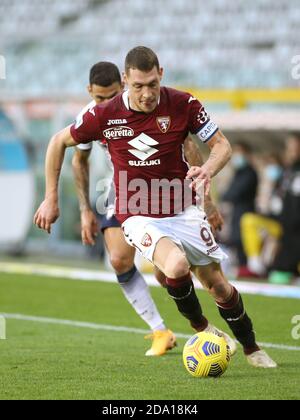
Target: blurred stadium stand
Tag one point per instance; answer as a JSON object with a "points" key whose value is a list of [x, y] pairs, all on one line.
{"points": [[200, 44]]}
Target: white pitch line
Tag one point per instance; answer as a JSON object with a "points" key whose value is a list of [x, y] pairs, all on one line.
{"points": [[106, 327], [76, 274]]}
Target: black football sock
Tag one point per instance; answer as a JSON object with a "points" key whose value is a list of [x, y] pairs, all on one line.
{"points": [[234, 314], [183, 293]]}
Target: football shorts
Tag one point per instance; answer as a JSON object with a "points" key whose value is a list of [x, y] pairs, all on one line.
{"points": [[190, 230]]}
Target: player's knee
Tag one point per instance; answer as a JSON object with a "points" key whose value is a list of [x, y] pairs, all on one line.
{"points": [[177, 268], [161, 278], [121, 263]]}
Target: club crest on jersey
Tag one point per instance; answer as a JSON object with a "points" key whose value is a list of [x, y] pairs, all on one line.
{"points": [[163, 123], [147, 240]]}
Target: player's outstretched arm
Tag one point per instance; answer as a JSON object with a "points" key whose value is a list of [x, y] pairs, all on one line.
{"points": [[48, 212], [220, 155], [81, 170], [195, 158]]}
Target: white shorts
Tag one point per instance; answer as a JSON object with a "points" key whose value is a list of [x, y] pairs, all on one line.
{"points": [[189, 230]]}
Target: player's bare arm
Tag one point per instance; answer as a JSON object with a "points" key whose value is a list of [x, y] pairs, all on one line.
{"points": [[220, 155], [81, 170], [48, 211], [195, 158]]}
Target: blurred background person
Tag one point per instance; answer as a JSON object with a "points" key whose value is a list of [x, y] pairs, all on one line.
{"points": [[262, 230], [286, 264], [241, 194]]}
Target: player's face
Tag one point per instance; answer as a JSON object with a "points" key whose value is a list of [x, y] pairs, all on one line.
{"points": [[102, 94], [144, 89]]}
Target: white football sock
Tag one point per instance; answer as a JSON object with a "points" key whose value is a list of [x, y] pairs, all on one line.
{"points": [[138, 295]]}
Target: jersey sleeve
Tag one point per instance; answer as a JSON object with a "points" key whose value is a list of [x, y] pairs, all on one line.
{"points": [[85, 146], [87, 126], [199, 122]]}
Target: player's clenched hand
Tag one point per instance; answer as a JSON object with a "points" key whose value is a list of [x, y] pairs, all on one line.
{"points": [[46, 215], [201, 179], [89, 227], [214, 217]]}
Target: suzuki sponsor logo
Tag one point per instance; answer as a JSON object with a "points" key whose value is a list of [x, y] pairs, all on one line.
{"points": [[116, 122], [145, 163], [143, 149], [118, 132]]}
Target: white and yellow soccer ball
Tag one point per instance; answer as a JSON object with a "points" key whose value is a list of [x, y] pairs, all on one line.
{"points": [[206, 355]]}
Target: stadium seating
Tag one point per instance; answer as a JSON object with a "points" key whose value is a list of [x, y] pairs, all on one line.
{"points": [[199, 44]]}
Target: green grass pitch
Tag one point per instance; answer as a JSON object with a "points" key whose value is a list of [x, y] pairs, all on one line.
{"points": [[49, 361]]}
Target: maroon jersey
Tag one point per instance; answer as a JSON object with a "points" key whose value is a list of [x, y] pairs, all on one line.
{"points": [[147, 150]]}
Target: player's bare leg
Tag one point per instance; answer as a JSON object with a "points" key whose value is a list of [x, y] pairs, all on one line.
{"points": [[172, 261], [231, 308], [160, 277], [136, 290], [121, 255]]}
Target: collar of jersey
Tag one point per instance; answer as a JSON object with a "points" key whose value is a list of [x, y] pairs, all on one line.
{"points": [[125, 97]]}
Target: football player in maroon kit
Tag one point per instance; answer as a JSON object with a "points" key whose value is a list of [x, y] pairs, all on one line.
{"points": [[104, 84], [145, 128]]}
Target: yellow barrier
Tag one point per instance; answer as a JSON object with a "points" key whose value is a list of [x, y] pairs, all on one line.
{"points": [[240, 98]]}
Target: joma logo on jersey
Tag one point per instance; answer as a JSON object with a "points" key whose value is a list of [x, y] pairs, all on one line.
{"points": [[118, 132], [116, 122], [143, 149]]}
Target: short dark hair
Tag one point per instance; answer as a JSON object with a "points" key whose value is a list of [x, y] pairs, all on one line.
{"points": [[141, 58], [104, 74]]}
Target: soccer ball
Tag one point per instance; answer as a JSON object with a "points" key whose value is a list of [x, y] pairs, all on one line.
{"points": [[206, 354]]}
